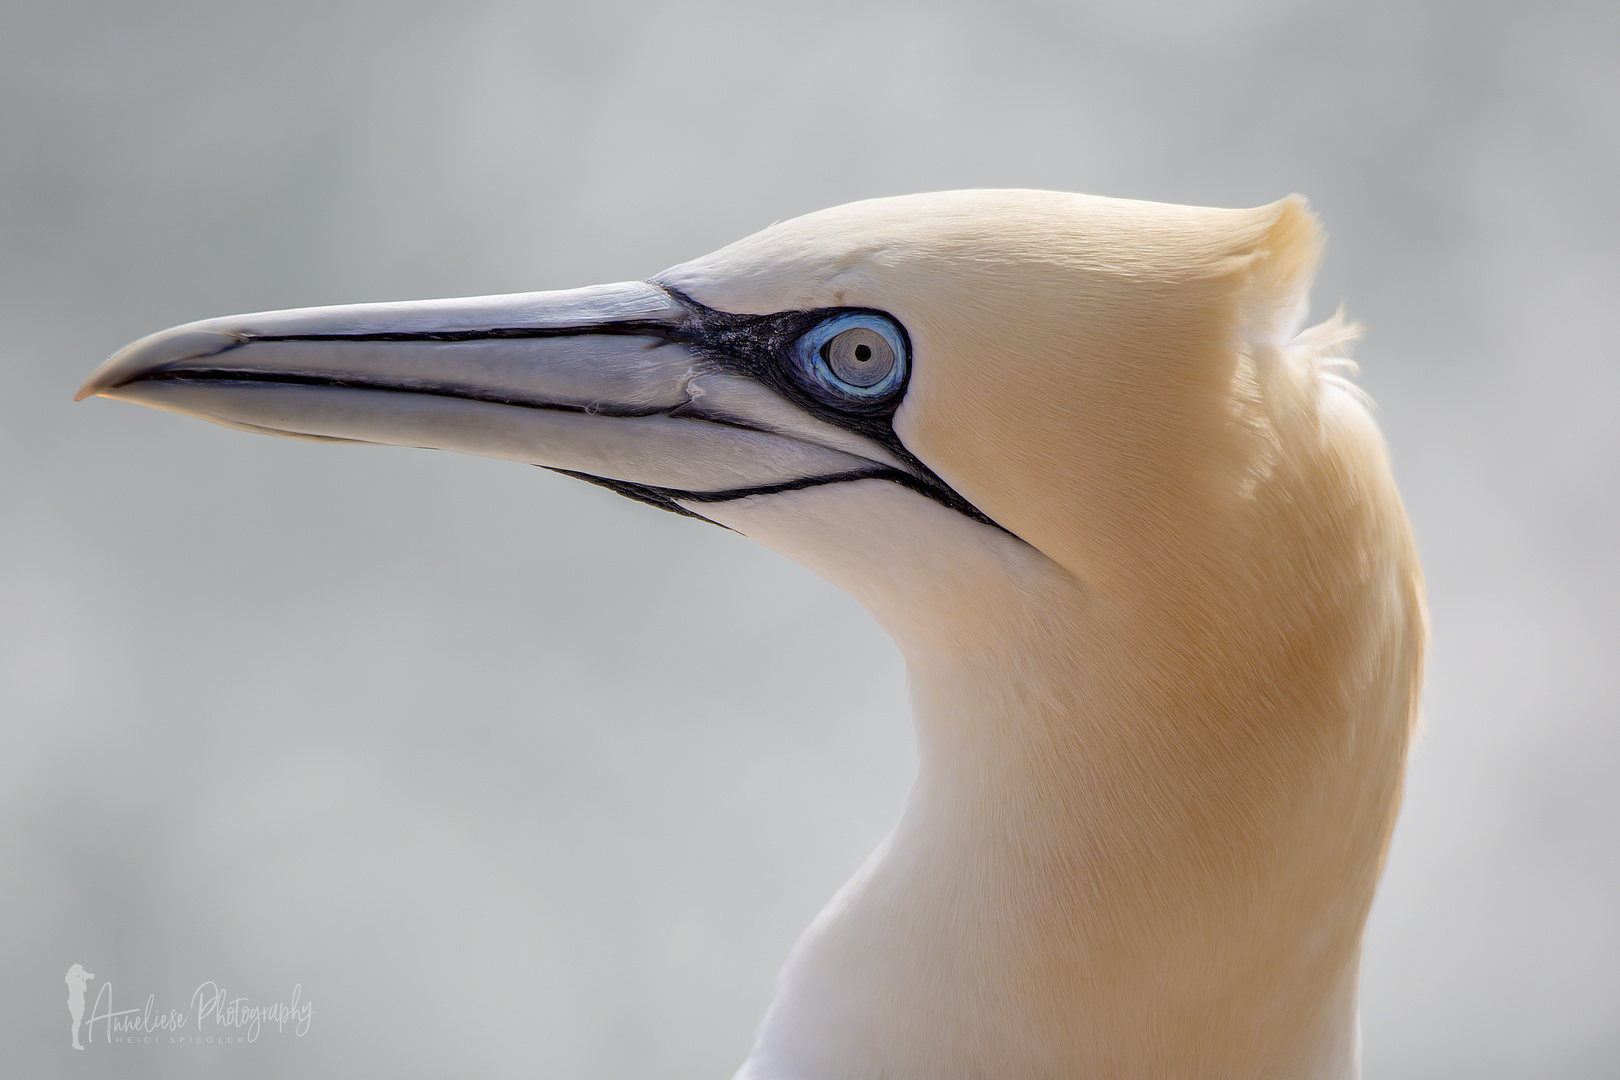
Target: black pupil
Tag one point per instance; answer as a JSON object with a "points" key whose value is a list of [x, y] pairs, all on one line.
{"points": [[863, 353]]}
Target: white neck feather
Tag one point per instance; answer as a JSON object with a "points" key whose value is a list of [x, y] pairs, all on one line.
{"points": [[1083, 883]]}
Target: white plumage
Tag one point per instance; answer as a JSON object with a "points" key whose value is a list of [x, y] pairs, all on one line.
{"points": [[1134, 534]]}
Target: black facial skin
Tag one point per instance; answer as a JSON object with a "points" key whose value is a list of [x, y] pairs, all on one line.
{"points": [[759, 347]]}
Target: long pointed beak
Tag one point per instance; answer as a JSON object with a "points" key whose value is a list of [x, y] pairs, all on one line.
{"points": [[611, 382]]}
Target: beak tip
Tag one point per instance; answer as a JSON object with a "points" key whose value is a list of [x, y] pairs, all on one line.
{"points": [[101, 380], [152, 354], [109, 376]]}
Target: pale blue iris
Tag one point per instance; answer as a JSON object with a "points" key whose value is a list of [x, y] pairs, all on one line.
{"points": [[810, 352]]}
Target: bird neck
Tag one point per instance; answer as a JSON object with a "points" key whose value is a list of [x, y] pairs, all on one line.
{"points": [[1146, 826], [1053, 904]]}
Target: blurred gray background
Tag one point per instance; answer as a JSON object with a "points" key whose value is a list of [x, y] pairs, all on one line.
{"points": [[517, 778]]}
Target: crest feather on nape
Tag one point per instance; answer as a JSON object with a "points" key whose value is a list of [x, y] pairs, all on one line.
{"points": [[1275, 304], [1282, 264]]}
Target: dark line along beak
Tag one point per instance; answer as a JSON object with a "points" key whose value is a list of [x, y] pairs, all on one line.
{"points": [[603, 382]]}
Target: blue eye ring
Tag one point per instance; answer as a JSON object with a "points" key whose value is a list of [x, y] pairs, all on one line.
{"points": [[826, 370]]}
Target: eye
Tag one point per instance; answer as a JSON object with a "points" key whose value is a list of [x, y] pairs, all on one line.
{"points": [[860, 356]]}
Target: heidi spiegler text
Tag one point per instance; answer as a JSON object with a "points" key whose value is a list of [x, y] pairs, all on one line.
{"points": [[213, 1016]]}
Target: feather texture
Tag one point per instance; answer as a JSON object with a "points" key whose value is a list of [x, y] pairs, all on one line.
{"points": [[1163, 732]]}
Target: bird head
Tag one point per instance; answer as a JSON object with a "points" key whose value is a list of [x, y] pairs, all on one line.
{"points": [[887, 390]]}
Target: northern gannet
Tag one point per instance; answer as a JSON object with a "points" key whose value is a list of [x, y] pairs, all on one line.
{"points": [[1132, 530]]}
